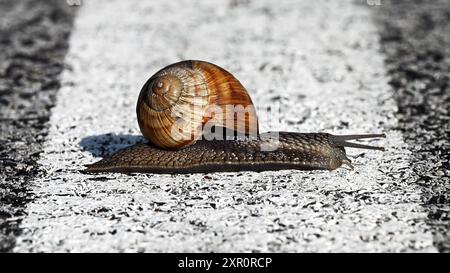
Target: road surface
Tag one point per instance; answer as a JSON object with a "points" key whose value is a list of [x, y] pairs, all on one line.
{"points": [[331, 66]]}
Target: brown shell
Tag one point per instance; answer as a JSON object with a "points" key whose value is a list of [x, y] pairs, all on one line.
{"points": [[181, 100]]}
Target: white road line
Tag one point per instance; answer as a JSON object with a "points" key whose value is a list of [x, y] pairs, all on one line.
{"points": [[320, 58]]}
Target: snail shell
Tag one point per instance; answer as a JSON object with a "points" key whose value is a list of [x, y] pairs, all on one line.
{"points": [[176, 104]]}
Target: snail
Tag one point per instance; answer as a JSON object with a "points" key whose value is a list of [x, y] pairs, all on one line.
{"points": [[185, 108]]}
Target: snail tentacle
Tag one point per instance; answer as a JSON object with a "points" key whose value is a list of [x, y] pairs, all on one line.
{"points": [[341, 141]]}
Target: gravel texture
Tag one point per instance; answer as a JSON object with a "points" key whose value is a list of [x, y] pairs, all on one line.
{"points": [[316, 66], [33, 42], [417, 49]]}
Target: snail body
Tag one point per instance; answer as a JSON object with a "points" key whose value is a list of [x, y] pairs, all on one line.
{"points": [[176, 105]]}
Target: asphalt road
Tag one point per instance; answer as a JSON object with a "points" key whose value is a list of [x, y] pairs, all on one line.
{"points": [[416, 46], [33, 42], [333, 66]]}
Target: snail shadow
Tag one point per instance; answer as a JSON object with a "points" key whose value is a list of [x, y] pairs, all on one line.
{"points": [[107, 144]]}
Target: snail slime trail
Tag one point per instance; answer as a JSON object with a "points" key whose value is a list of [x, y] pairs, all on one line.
{"points": [[180, 101]]}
